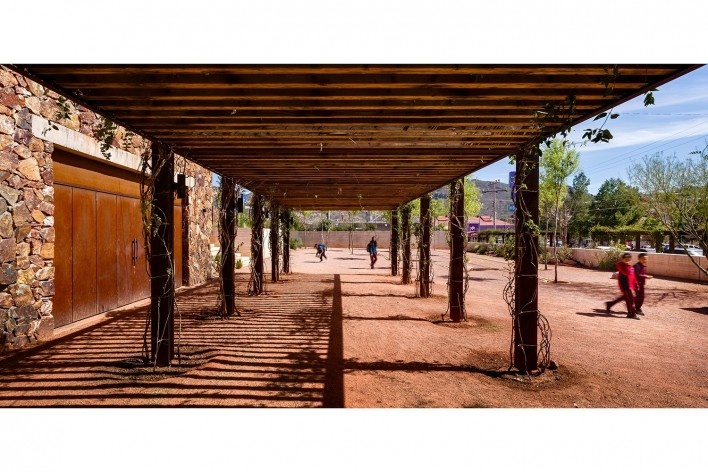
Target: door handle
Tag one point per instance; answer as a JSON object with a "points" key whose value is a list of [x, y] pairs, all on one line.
{"points": [[134, 245]]}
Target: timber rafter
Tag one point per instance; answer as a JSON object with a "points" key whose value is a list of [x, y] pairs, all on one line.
{"points": [[325, 137]]}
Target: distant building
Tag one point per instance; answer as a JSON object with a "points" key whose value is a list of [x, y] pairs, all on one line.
{"points": [[442, 222], [485, 222]]}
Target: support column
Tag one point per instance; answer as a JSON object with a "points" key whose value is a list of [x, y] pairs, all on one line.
{"points": [[406, 243], [287, 221], [525, 340], [227, 235], [257, 285], [426, 223], [394, 241], [458, 245], [162, 284], [274, 247]]}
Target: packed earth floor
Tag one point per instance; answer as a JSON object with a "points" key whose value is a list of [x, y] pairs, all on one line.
{"points": [[338, 333]]}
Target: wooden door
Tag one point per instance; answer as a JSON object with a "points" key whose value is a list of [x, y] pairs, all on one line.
{"points": [[106, 251], [63, 223], [100, 261], [84, 254], [140, 274], [125, 245]]}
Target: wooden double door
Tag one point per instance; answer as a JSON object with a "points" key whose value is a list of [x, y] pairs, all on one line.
{"points": [[100, 257]]}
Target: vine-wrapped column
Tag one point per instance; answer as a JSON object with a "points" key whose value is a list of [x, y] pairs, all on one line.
{"points": [[274, 247], [162, 284], [426, 222], [458, 243], [287, 221], [406, 244], [257, 285], [525, 337], [394, 241], [227, 234]]}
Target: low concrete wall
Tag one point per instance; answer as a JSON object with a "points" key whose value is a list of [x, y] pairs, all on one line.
{"points": [[662, 265], [340, 239]]}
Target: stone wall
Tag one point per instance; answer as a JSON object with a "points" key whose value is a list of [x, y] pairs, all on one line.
{"points": [[27, 203], [662, 265], [197, 222], [26, 216]]}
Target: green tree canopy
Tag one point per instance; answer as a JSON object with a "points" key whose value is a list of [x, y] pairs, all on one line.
{"points": [[616, 204], [579, 201]]}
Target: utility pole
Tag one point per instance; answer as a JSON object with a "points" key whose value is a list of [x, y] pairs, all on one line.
{"points": [[494, 191]]}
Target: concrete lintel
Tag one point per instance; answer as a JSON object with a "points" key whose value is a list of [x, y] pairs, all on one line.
{"points": [[70, 140]]}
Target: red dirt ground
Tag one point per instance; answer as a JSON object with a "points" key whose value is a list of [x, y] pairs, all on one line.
{"points": [[337, 333], [340, 334]]}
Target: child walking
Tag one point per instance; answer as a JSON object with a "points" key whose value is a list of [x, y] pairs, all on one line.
{"points": [[627, 282]]}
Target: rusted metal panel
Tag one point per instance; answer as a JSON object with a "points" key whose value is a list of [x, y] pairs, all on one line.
{"points": [[84, 254], [63, 281], [126, 251], [77, 171], [141, 277], [106, 251], [101, 258]]}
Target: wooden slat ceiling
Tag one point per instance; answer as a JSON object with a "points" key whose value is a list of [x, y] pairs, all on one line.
{"points": [[350, 137]]}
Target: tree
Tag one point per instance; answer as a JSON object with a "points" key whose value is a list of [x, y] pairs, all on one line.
{"points": [[545, 207], [615, 205], [677, 195], [579, 200], [473, 202], [557, 164]]}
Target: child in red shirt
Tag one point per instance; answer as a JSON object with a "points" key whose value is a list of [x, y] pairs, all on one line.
{"points": [[627, 282]]}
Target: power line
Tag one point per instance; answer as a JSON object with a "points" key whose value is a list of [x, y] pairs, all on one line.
{"points": [[619, 160]]}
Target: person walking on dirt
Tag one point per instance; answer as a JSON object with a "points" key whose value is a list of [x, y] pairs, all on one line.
{"points": [[627, 282], [371, 249], [321, 251], [640, 271]]}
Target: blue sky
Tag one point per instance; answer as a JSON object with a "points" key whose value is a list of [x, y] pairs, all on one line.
{"points": [[676, 123]]}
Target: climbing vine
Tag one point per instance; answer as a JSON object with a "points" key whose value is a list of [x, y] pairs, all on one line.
{"points": [[152, 165], [457, 225], [532, 231]]}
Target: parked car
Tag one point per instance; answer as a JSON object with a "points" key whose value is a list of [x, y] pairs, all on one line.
{"points": [[690, 250]]}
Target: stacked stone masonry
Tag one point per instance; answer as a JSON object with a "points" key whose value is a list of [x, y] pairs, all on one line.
{"points": [[27, 233]]}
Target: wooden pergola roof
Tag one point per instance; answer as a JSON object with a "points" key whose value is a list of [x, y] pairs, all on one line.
{"points": [[328, 137]]}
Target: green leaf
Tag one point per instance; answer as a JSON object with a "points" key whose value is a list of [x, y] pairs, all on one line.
{"points": [[648, 99], [601, 115], [614, 115]]}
